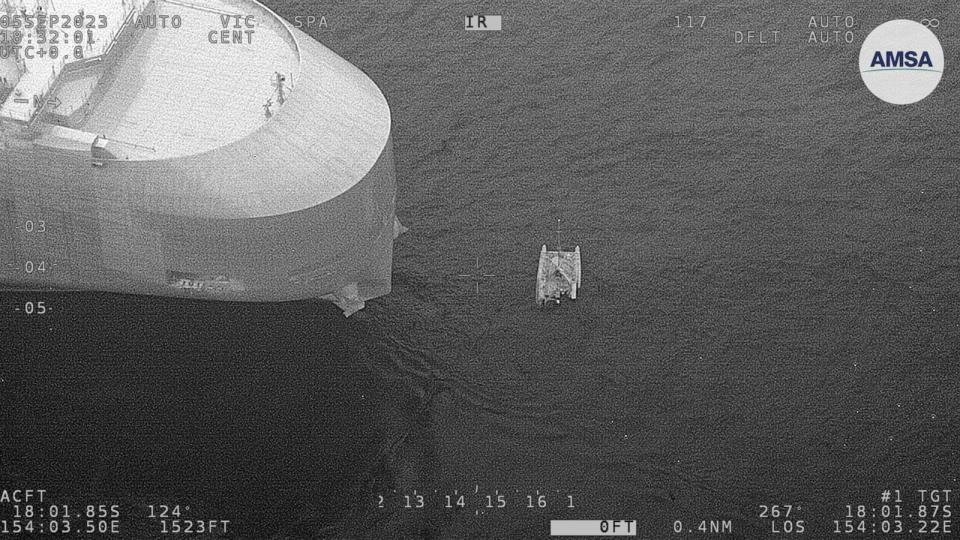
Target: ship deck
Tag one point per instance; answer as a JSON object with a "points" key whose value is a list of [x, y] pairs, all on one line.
{"points": [[175, 93], [185, 129], [40, 70]]}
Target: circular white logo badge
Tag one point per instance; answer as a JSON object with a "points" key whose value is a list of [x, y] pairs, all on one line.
{"points": [[901, 61]]}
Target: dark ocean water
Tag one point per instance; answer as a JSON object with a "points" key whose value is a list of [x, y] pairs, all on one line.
{"points": [[770, 311]]}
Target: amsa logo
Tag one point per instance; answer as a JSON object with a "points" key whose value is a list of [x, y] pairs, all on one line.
{"points": [[901, 62], [901, 59]]}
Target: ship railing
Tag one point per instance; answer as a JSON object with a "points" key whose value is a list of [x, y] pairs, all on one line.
{"points": [[118, 29], [107, 46], [135, 145], [291, 38], [201, 7]]}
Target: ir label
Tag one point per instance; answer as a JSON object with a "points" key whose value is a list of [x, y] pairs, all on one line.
{"points": [[482, 22]]}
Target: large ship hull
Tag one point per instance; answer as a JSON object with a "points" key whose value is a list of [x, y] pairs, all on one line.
{"points": [[78, 237], [273, 216]]}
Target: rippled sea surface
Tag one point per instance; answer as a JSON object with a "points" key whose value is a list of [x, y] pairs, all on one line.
{"points": [[770, 309]]}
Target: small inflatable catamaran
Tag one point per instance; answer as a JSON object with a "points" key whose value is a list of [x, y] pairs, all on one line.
{"points": [[559, 273]]}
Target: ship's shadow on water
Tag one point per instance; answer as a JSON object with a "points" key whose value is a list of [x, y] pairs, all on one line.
{"points": [[277, 417]]}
